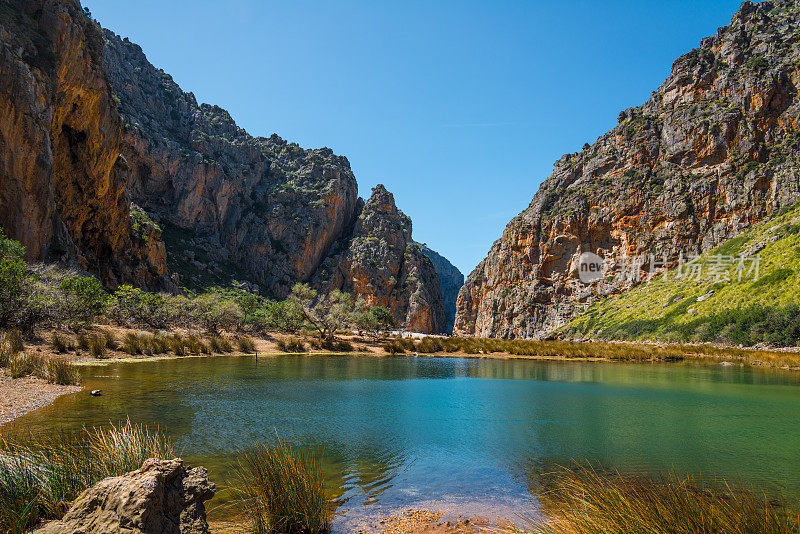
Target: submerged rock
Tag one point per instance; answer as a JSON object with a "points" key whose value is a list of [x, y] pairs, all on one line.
{"points": [[162, 497]]}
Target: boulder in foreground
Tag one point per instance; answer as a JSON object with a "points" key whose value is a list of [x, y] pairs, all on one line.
{"points": [[162, 497]]}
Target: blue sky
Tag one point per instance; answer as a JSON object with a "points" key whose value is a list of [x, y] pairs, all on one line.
{"points": [[459, 107]]}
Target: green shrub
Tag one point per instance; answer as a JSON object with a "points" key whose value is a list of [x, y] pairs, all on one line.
{"points": [[282, 489], [83, 300], [131, 306], [15, 281], [216, 314]]}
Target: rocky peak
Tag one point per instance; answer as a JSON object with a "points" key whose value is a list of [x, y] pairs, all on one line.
{"points": [[714, 149], [379, 263]]}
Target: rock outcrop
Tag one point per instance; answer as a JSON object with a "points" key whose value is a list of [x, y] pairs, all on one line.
{"points": [[232, 206], [162, 497], [107, 164], [450, 282], [377, 261], [62, 193], [713, 150]]}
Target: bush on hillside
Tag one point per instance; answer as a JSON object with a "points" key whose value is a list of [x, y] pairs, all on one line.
{"points": [[82, 301]]}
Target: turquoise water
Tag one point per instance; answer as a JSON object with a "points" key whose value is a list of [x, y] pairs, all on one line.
{"points": [[460, 434]]}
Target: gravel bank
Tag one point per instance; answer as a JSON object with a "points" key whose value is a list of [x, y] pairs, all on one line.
{"points": [[19, 396]]}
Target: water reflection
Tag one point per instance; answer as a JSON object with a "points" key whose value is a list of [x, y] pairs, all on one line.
{"points": [[398, 432]]}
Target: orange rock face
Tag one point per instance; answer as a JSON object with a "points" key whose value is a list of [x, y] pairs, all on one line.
{"points": [[712, 151], [60, 190]]}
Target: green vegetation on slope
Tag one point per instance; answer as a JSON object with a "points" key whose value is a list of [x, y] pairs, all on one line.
{"points": [[722, 305]]}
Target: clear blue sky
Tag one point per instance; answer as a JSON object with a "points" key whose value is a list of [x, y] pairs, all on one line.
{"points": [[459, 107]]}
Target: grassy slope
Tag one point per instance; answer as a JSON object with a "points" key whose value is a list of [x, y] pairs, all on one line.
{"points": [[668, 310]]}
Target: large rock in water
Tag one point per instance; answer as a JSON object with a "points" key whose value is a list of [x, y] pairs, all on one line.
{"points": [[378, 262], [713, 150], [162, 497], [62, 193]]}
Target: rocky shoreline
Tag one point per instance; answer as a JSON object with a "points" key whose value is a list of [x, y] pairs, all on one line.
{"points": [[19, 396]]}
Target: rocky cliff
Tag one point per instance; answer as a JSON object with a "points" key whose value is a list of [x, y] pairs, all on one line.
{"points": [[232, 205], [62, 190], [106, 163], [450, 281], [714, 149], [379, 262]]}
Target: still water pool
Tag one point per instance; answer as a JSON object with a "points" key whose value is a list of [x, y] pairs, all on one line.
{"points": [[461, 434]]}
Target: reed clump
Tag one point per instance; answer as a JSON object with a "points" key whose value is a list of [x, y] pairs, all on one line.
{"points": [[586, 500], [219, 345], [61, 372], [394, 347], [98, 346], [281, 490], [39, 479], [15, 342], [60, 344], [291, 345], [132, 344], [246, 345], [26, 364]]}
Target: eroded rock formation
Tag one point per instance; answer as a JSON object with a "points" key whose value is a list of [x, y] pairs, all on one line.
{"points": [[107, 164], [450, 282], [380, 263], [713, 150], [61, 190], [233, 206], [162, 497]]}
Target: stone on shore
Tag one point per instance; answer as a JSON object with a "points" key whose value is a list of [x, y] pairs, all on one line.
{"points": [[162, 497]]}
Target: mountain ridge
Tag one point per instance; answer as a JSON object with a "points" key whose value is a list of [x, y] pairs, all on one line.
{"points": [[712, 151]]}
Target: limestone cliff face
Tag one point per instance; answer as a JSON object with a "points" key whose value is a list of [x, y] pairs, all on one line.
{"points": [[450, 282], [378, 261], [232, 205], [106, 163], [712, 151], [61, 190]]}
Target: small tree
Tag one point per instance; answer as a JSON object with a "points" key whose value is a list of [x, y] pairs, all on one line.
{"points": [[133, 306], [384, 319], [216, 314], [284, 316], [363, 318], [326, 313], [15, 281], [82, 300]]}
